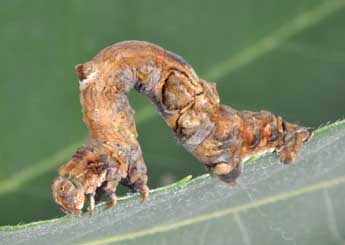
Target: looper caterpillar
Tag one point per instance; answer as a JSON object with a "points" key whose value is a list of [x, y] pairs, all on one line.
{"points": [[218, 135]]}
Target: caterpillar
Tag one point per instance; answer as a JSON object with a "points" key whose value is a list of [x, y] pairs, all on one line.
{"points": [[218, 135]]}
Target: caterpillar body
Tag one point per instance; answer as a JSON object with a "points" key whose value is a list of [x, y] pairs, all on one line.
{"points": [[218, 135]]}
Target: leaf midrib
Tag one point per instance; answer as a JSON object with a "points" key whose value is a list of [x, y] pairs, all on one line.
{"points": [[244, 57]]}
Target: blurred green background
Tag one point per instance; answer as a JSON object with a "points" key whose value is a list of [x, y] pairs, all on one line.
{"points": [[284, 56]]}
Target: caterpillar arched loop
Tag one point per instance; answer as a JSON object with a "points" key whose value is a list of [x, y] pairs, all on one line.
{"points": [[218, 135]]}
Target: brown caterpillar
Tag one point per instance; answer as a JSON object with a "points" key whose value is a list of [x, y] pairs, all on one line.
{"points": [[218, 135]]}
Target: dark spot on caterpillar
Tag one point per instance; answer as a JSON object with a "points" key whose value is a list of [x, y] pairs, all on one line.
{"points": [[257, 138], [274, 134], [80, 73]]}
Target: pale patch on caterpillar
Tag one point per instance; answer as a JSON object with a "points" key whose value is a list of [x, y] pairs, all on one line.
{"points": [[218, 135], [85, 82]]}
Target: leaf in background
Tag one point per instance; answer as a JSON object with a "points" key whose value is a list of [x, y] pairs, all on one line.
{"points": [[283, 56], [272, 204]]}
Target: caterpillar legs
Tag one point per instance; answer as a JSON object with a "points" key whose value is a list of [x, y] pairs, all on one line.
{"points": [[94, 170]]}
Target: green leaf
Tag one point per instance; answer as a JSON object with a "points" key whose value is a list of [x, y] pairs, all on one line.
{"points": [[277, 55], [272, 204]]}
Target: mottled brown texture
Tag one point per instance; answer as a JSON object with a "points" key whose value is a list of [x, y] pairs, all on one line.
{"points": [[218, 135]]}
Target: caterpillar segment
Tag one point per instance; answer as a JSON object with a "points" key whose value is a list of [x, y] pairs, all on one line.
{"points": [[218, 135]]}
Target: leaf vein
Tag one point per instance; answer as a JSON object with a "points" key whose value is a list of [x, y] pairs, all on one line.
{"points": [[221, 213]]}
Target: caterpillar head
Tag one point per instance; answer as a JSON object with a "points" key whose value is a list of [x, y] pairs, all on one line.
{"points": [[83, 71], [86, 74], [68, 195]]}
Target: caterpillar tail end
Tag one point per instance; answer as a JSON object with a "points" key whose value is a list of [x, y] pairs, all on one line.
{"points": [[294, 138]]}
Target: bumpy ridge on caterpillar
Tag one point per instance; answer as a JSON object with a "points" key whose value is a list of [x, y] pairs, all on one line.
{"points": [[218, 135]]}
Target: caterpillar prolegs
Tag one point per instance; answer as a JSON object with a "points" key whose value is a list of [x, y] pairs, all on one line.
{"points": [[218, 135]]}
